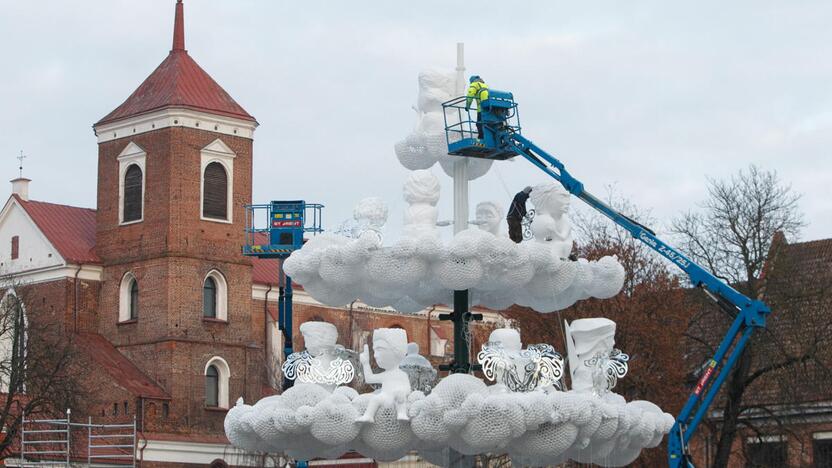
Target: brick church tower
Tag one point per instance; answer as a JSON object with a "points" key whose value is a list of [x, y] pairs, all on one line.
{"points": [[174, 171]]}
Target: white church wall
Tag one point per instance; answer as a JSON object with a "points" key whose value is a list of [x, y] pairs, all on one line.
{"points": [[35, 252]]}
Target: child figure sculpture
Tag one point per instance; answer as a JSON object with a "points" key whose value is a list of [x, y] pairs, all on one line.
{"points": [[389, 348], [504, 361], [421, 192], [489, 215], [594, 363], [323, 362], [551, 224]]}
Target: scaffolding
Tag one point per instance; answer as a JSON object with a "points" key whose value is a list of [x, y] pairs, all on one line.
{"points": [[49, 443]]}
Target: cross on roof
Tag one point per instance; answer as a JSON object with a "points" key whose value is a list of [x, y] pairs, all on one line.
{"points": [[20, 166]]}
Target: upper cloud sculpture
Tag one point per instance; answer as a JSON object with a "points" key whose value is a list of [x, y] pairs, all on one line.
{"points": [[426, 145], [419, 270]]}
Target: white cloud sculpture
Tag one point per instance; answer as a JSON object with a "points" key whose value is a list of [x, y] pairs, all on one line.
{"points": [[419, 270], [534, 428]]}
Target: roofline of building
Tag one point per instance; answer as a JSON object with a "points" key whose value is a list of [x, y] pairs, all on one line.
{"points": [[175, 116], [245, 117]]}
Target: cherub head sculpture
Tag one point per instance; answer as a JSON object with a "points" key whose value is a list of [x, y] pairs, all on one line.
{"points": [[319, 337], [435, 87], [508, 338], [422, 187], [389, 347], [504, 361], [489, 215], [551, 199], [372, 211]]}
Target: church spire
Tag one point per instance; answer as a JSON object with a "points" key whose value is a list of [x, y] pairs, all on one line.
{"points": [[179, 28]]}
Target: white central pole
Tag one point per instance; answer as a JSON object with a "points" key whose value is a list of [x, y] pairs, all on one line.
{"points": [[460, 163]]}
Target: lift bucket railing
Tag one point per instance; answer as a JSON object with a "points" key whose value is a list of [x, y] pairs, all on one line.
{"points": [[459, 124]]}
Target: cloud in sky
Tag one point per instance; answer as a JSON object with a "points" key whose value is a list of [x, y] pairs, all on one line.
{"points": [[652, 97]]}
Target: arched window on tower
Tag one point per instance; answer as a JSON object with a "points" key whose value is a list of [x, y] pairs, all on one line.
{"points": [[215, 192], [209, 298], [217, 377], [134, 300], [132, 194], [212, 387], [128, 300], [215, 296]]}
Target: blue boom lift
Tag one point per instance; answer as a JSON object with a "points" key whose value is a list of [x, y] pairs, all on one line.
{"points": [[277, 236], [502, 139]]}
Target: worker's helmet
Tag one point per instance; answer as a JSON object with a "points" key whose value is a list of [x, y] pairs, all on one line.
{"points": [[527, 190], [474, 78]]}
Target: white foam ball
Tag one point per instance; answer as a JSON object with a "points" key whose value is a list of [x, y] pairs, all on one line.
{"points": [[413, 153]]}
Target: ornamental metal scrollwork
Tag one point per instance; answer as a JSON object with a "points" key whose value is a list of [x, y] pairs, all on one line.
{"points": [[608, 367], [541, 366], [422, 378], [305, 368], [527, 224]]}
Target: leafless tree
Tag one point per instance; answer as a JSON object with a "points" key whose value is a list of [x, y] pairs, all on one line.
{"points": [[732, 231], [596, 236], [36, 366], [731, 234]]}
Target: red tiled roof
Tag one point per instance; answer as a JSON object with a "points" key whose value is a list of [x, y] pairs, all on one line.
{"points": [[178, 82], [69, 228], [265, 270], [121, 369], [72, 231]]}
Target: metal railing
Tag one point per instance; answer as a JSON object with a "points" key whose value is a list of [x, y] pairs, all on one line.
{"points": [[109, 444], [48, 442], [460, 125], [258, 223]]}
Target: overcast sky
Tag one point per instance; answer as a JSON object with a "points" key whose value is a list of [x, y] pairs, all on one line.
{"points": [[651, 97]]}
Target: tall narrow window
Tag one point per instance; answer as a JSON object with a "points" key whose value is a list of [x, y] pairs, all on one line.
{"points": [[215, 296], [133, 194], [128, 298], [15, 247], [212, 387], [134, 300], [209, 298], [215, 192]]}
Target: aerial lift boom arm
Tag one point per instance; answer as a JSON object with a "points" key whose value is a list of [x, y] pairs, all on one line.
{"points": [[505, 141]]}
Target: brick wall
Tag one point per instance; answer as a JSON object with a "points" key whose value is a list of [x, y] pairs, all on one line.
{"points": [[797, 436], [170, 252], [172, 224], [55, 302]]}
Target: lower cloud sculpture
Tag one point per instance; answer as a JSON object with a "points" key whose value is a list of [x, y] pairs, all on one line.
{"points": [[534, 426]]}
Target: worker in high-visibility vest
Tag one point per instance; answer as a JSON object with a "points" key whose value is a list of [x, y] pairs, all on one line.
{"points": [[477, 90]]}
